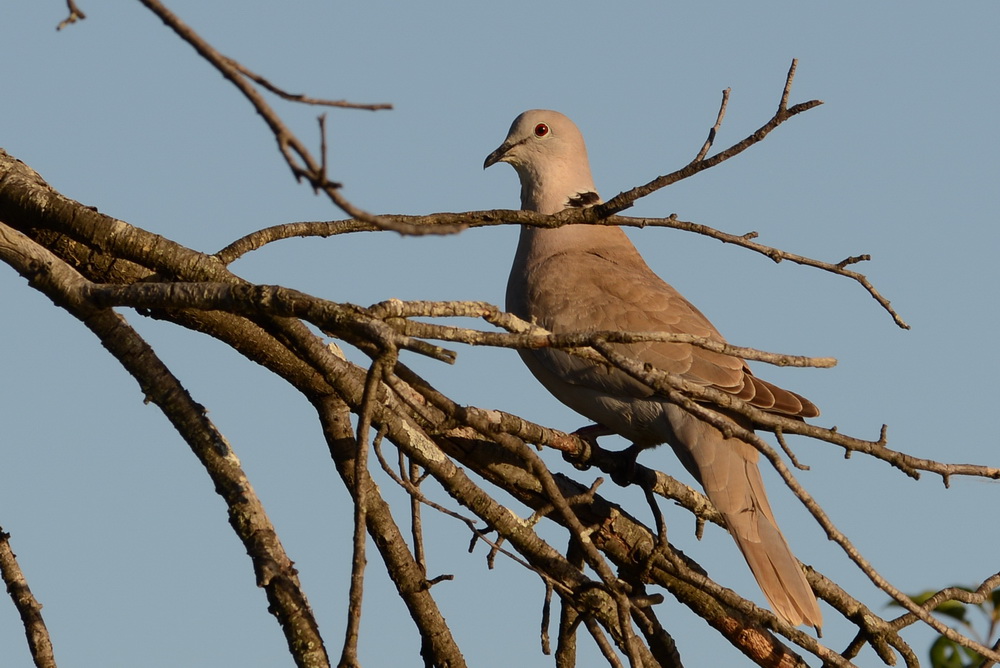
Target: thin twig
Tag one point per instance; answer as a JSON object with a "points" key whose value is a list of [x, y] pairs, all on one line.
{"points": [[975, 597], [416, 518], [546, 618], [661, 525], [534, 340], [624, 200], [299, 159], [75, 14], [533, 336], [478, 535], [715, 128], [297, 97], [349, 654], [788, 451], [322, 144], [746, 241], [783, 104]]}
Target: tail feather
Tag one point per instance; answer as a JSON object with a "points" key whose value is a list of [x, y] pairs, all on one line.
{"points": [[778, 573], [727, 469]]}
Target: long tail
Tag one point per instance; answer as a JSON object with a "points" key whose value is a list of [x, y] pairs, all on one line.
{"points": [[777, 572], [727, 469], [767, 553]]}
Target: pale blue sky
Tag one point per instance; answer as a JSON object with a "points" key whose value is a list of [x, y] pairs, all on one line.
{"points": [[119, 532]]}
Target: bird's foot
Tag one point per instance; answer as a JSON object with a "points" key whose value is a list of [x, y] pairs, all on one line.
{"points": [[592, 432], [625, 474], [589, 436]]}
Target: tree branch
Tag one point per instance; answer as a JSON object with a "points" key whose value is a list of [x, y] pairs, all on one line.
{"points": [[626, 199], [274, 570], [299, 97], [28, 607]]}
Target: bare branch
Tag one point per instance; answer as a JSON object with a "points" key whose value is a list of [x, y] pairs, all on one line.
{"points": [[473, 219], [578, 341], [530, 336], [274, 570], [715, 128], [30, 610], [602, 642], [438, 646], [624, 200], [349, 654], [975, 597], [746, 241], [412, 476], [298, 157], [787, 91], [298, 97]]}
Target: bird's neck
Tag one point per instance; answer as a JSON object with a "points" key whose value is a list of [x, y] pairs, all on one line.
{"points": [[554, 188]]}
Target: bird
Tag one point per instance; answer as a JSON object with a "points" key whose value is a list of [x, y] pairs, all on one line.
{"points": [[586, 278]]}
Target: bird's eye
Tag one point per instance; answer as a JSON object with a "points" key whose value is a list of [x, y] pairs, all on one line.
{"points": [[541, 130]]}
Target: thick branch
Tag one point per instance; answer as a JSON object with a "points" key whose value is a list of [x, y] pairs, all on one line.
{"points": [[274, 570]]}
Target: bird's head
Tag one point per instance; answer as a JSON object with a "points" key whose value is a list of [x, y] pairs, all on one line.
{"points": [[550, 157]]}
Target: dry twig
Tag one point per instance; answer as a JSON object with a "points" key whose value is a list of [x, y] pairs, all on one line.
{"points": [[30, 610]]}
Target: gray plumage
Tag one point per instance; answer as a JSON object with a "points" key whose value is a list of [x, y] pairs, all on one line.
{"points": [[589, 278]]}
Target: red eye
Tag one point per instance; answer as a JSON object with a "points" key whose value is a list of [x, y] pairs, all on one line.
{"points": [[541, 130]]}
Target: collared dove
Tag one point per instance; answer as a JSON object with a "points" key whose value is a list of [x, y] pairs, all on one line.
{"points": [[591, 278]]}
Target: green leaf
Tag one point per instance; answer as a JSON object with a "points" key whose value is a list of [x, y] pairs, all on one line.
{"points": [[953, 609], [946, 653]]}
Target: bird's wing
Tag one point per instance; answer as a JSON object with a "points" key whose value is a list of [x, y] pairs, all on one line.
{"points": [[613, 290]]}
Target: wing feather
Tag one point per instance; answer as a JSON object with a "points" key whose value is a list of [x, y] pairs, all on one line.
{"points": [[598, 299]]}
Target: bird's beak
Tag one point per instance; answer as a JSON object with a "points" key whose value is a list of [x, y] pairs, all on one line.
{"points": [[497, 155]]}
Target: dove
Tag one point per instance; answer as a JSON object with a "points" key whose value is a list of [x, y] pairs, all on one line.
{"points": [[585, 278]]}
